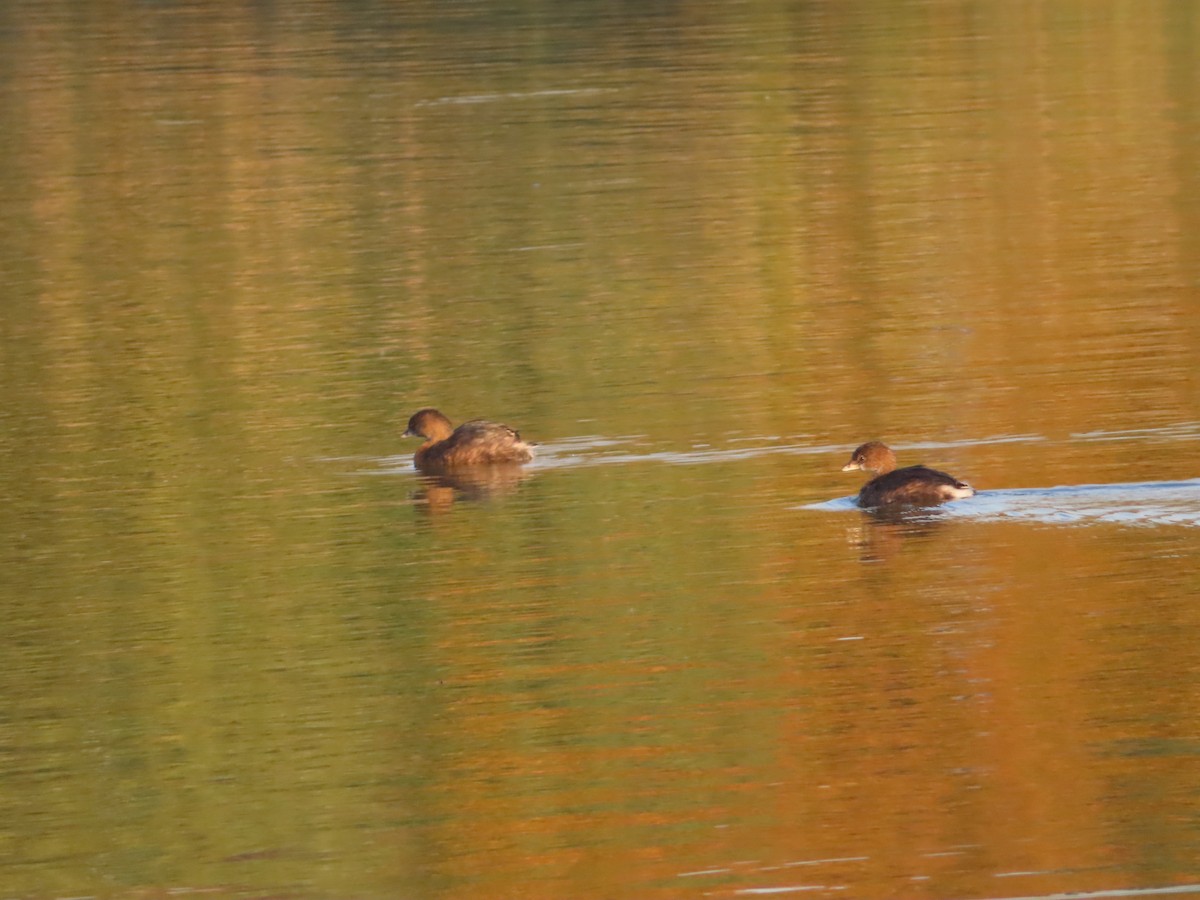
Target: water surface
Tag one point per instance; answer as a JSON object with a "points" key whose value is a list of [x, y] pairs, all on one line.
{"points": [[698, 253]]}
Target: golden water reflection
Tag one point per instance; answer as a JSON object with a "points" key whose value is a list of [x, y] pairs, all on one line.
{"points": [[699, 253]]}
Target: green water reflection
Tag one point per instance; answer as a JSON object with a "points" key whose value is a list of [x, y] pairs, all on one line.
{"points": [[699, 252]]}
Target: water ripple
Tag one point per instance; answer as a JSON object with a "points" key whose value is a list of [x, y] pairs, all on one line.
{"points": [[596, 450], [1136, 504]]}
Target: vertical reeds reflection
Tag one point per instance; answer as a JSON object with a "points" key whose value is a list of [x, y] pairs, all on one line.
{"points": [[241, 241]]}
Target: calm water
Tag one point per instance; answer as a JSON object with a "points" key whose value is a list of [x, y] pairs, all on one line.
{"points": [[699, 252]]}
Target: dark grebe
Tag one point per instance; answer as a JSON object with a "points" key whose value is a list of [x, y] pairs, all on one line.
{"points": [[912, 485], [474, 443]]}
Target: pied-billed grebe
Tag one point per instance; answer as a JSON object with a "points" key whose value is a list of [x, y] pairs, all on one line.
{"points": [[474, 443], [912, 485]]}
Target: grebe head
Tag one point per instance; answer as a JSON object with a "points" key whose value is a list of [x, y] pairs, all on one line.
{"points": [[872, 456], [429, 424]]}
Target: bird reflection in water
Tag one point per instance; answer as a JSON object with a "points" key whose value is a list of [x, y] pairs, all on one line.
{"points": [[440, 489], [881, 532]]}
